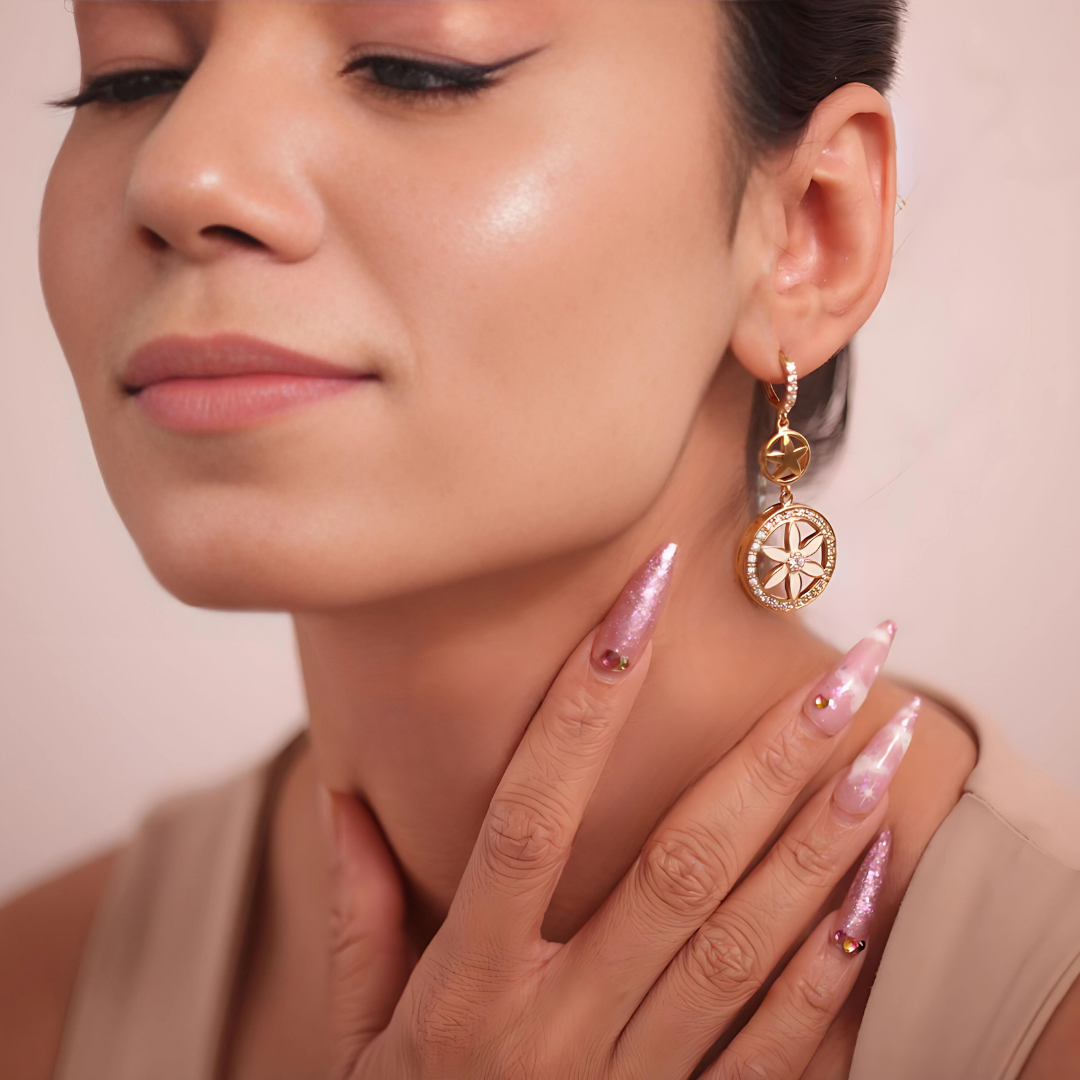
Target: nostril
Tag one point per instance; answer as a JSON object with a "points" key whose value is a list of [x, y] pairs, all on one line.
{"points": [[235, 236]]}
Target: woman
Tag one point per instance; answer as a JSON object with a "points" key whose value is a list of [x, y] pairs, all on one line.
{"points": [[433, 324]]}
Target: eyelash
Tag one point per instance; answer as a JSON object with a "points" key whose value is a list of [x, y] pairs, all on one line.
{"points": [[123, 88], [430, 81]]}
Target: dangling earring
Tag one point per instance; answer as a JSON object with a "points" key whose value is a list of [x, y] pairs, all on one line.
{"points": [[788, 554]]}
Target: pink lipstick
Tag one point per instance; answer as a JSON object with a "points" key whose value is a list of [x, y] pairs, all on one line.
{"points": [[228, 381]]}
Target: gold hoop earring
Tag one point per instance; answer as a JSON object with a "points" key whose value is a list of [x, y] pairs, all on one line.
{"points": [[788, 553]]}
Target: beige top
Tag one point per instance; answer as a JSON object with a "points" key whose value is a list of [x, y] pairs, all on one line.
{"points": [[985, 945]]}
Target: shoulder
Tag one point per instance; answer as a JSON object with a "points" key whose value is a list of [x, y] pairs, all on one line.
{"points": [[996, 889], [1057, 1053], [42, 935], [1048, 818], [1038, 822], [1039, 809]]}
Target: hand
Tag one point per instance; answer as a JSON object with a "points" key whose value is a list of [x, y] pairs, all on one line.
{"points": [[661, 971]]}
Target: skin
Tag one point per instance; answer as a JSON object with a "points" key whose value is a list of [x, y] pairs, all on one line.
{"points": [[566, 325]]}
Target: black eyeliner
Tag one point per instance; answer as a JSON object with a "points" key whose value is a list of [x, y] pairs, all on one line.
{"points": [[460, 73], [459, 76]]}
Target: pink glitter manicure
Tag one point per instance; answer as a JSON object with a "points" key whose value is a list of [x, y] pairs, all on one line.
{"points": [[872, 771], [858, 910], [833, 703], [629, 625]]}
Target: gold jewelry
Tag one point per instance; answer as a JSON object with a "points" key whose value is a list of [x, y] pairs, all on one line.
{"points": [[788, 554]]}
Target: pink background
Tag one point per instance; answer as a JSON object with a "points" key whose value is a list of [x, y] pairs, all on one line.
{"points": [[953, 502]]}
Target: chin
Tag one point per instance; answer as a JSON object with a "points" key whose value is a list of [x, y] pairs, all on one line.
{"points": [[238, 550], [241, 573], [235, 551], [273, 522], [236, 572]]}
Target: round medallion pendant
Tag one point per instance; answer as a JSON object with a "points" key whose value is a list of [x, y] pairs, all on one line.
{"points": [[787, 557]]}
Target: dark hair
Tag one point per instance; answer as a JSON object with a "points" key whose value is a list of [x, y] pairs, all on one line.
{"points": [[784, 58]]}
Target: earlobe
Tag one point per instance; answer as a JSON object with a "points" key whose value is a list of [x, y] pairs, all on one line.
{"points": [[835, 194]]}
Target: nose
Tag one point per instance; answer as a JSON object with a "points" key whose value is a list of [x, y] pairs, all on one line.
{"points": [[226, 168]]}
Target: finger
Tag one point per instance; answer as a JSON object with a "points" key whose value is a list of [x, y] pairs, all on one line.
{"points": [[530, 825], [370, 958], [781, 1038], [734, 952], [704, 845]]}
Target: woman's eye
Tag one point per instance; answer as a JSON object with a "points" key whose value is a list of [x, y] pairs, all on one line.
{"points": [[125, 88], [400, 76], [397, 76]]}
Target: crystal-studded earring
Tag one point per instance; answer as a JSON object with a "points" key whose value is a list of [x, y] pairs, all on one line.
{"points": [[788, 554]]}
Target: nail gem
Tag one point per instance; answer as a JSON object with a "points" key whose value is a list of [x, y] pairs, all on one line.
{"points": [[858, 909], [838, 697], [629, 625], [872, 771]]}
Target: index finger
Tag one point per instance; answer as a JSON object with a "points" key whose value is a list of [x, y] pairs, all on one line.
{"points": [[534, 815]]}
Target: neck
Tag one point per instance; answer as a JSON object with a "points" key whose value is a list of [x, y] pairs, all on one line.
{"points": [[417, 704]]}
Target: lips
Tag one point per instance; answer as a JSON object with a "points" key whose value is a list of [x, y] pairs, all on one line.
{"points": [[228, 381]]}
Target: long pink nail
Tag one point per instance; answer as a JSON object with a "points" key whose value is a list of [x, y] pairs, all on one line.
{"points": [[622, 638], [838, 697], [858, 910], [872, 771]]}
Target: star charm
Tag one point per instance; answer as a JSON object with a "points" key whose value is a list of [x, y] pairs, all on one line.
{"points": [[788, 462], [794, 560]]}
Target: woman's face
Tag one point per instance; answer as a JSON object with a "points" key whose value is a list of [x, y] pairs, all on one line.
{"points": [[519, 283]]}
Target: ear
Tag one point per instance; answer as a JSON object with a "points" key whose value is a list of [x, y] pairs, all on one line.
{"points": [[825, 208]]}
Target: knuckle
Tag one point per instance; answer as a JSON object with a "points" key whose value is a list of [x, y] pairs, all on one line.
{"points": [[443, 1028], [813, 1005], [351, 945], [754, 1061], [576, 721], [350, 953], [776, 767], [680, 875], [450, 1015], [521, 834], [344, 933], [810, 860], [725, 958]]}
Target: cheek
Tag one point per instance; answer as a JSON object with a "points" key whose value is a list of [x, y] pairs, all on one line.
{"points": [[101, 295], [91, 283], [566, 288]]}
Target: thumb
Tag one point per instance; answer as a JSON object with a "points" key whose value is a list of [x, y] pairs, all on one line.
{"points": [[369, 954]]}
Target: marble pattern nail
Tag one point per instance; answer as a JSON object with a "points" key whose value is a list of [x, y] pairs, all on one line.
{"points": [[833, 703], [872, 771]]}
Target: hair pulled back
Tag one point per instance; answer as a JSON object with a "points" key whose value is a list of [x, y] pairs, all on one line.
{"points": [[784, 58]]}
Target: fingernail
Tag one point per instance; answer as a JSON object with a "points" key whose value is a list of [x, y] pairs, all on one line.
{"points": [[862, 897], [872, 771], [625, 632], [838, 697]]}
